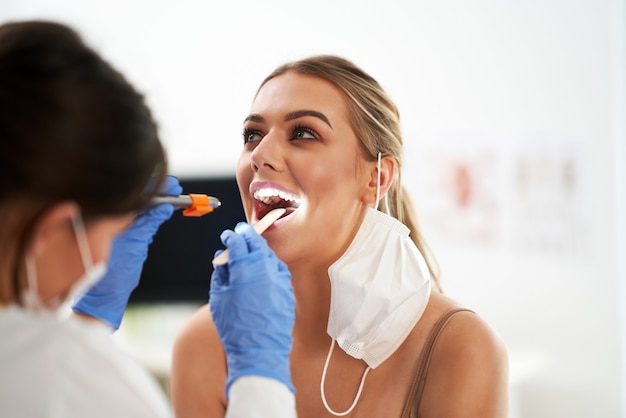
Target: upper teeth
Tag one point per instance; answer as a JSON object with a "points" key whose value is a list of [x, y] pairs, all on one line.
{"points": [[265, 195]]}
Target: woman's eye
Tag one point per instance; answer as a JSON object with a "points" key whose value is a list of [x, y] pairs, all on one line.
{"points": [[251, 136], [304, 133]]}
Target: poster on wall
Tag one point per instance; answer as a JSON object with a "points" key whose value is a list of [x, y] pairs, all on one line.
{"points": [[455, 185], [523, 193], [549, 196]]}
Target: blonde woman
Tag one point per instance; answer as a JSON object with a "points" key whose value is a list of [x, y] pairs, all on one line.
{"points": [[374, 335]]}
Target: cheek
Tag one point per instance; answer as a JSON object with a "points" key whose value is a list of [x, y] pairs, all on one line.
{"points": [[244, 177], [101, 247], [332, 170], [243, 172], [332, 175], [102, 236]]}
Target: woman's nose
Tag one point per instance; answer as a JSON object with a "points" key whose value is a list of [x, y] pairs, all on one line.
{"points": [[267, 155]]}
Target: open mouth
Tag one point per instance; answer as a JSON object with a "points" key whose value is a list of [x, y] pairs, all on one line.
{"points": [[267, 199]]}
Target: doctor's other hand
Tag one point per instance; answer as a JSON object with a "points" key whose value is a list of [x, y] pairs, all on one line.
{"points": [[108, 298], [253, 307]]}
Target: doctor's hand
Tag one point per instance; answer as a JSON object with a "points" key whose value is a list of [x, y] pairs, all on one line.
{"points": [[253, 307], [108, 298]]}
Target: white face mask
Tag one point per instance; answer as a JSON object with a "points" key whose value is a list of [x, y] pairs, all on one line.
{"points": [[93, 273], [379, 290]]}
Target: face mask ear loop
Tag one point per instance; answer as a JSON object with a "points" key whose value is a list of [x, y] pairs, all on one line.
{"points": [[378, 181], [83, 243], [30, 297], [358, 394], [387, 203]]}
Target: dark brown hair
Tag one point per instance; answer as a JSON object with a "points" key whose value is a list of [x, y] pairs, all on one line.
{"points": [[72, 128]]}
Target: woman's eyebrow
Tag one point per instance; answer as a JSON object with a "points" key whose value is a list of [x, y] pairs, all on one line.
{"points": [[300, 113], [254, 117]]}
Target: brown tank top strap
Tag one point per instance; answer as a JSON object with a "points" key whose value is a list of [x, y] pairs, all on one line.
{"points": [[411, 407]]}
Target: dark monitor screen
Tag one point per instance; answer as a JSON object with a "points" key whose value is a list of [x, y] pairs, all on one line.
{"points": [[178, 267]]}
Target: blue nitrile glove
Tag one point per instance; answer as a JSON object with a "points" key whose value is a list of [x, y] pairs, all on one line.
{"points": [[108, 298], [253, 307]]}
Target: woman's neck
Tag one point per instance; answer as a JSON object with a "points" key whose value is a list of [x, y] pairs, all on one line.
{"points": [[312, 292]]}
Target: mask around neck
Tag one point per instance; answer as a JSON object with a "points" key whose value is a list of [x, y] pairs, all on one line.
{"points": [[379, 289]]}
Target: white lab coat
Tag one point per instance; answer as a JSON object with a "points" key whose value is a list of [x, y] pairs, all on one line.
{"points": [[260, 397], [71, 368], [52, 368]]}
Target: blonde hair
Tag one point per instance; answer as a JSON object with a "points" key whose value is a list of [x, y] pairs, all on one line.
{"points": [[376, 121]]}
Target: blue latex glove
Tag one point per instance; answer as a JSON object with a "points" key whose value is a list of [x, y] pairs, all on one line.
{"points": [[108, 298], [253, 307]]}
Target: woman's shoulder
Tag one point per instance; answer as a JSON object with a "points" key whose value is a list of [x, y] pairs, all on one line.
{"points": [[198, 361], [463, 329], [469, 361], [197, 337], [197, 327]]}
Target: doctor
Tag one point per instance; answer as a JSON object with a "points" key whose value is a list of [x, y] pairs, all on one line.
{"points": [[78, 147], [80, 157]]}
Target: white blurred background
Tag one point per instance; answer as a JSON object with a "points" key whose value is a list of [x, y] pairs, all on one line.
{"points": [[514, 121]]}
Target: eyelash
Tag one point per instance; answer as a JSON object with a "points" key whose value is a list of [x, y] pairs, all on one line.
{"points": [[247, 132], [294, 133], [301, 128]]}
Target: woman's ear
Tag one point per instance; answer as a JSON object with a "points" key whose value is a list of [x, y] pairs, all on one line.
{"points": [[51, 222], [386, 176]]}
